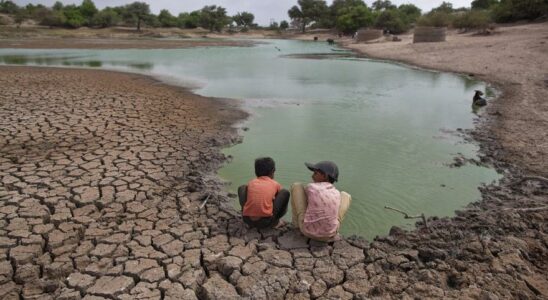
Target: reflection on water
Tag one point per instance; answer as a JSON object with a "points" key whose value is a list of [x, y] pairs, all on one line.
{"points": [[78, 61], [390, 128]]}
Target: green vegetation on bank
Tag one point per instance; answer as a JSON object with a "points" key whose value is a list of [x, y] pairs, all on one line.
{"points": [[345, 16]]}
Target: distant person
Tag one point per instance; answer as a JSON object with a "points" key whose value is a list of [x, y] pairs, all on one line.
{"points": [[319, 208], [263, 200]]}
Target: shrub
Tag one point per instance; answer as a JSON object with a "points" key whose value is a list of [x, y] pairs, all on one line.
{"points": [[391, 20], [8, 7], [472, 20], [73, 16], [514, 10], [105, 18], [166, 19], [3, 20], [435, 19], [55, 18], [351, 19]]}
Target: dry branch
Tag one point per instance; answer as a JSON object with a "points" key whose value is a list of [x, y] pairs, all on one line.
{"points": [[407, 216]]}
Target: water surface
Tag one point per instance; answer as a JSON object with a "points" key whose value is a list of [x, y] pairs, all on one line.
{"points": [[390, 128]]}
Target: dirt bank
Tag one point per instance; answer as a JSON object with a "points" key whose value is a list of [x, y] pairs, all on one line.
{"points": [[41, 37], [107, 189], [81, 43]]}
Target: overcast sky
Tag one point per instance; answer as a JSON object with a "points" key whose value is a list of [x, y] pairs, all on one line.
{"points": [[264, 10]]}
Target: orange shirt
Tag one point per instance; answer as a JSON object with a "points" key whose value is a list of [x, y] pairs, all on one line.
{"points": [[261, 192]]}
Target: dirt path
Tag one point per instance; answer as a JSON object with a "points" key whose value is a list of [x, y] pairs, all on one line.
{"points": [[104, 179]]}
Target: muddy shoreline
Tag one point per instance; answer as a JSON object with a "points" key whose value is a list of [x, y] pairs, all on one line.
{"points": [[106, 43], [63, 235]]}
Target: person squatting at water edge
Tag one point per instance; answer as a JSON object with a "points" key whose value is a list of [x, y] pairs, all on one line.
{"points": [[263, 200], [318, 208]]}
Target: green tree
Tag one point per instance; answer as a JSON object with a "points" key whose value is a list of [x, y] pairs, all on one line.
{"points": [[338, 5], [138, 12], [8, 7], [152, 21], [410, 13], [244, 19], [284, 25], [38, 13], [528, 9], [380, 5], [213, 18], [58, 6], [33, 11], [392, 20], [483, 4], [73, 16], [189, 20], [106, 18], [472, 20], [445, 7], [54, 18], [166, 19], [308, 11], [351, 19], [435, 19], [336, 9], [88, 10]]}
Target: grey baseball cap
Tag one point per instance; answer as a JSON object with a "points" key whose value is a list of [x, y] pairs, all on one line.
{"points": [[327, 167]]}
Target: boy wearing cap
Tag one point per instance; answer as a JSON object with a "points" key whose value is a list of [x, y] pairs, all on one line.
{"points": [[263, 200], [319, 208]]}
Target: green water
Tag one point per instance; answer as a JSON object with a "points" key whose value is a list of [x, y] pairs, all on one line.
{"points": [[390, 128]]}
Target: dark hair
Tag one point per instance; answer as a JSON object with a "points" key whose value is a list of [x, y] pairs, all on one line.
{"points": [[264, 166], [329, 178]]}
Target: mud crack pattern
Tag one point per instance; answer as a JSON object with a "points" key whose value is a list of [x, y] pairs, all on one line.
{"points": [[103, 180]]}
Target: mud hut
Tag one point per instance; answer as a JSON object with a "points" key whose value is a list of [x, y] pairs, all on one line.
{"points": [[425, 34], [365, 35]]}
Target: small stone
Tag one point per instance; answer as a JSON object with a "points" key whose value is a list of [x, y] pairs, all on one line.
{"points": [[87, 194], [292, 240], [136, 267], [332, 276], [69, 294], [318, 288], [217, 288], [103, 250], [173, 248], [243, 252], [277, 258], [109, 286], [25, 254], [153, 275], [27, 273], [80, 281], [229, 264]]}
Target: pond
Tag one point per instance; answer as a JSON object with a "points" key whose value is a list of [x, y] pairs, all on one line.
{"points": [[392, 129]]}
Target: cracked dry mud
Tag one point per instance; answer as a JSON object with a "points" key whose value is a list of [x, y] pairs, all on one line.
{"points": [[102, 176]]}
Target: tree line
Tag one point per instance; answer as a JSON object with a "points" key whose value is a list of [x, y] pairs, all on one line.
{"points": [[211, 17], [349, 15], [345, 16]]}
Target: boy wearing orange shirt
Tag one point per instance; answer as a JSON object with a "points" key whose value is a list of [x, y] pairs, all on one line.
{"points": [[263, 200]]}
